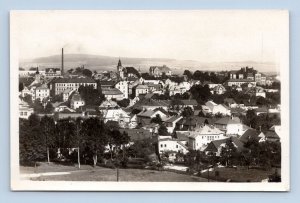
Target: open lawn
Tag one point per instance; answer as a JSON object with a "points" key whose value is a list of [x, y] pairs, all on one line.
{"points": [[240, 175], [54, 172]]}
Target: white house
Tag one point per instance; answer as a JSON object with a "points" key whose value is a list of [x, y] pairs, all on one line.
{"points": [[167, 144], [112, 93], [213, 108], [24, 109], [231, 126], [141, 89], [118, 115], [239, 82], [123, 87], [202, 135], [41, 92], [76, 101], [219, 89], [26, 91], [66, 94], [108, 104]]}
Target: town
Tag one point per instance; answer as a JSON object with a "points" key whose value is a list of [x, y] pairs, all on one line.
{"points": [[218, 125]]}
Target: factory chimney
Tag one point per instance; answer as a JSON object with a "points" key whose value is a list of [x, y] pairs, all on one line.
{"points": [[62, 61]]}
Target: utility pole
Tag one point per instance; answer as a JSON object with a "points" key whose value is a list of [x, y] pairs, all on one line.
{"points": [[78, 158]]}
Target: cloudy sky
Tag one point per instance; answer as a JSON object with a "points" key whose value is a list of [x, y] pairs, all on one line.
{"points": [[205, 36]]}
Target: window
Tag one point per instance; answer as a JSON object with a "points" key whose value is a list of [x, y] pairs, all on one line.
{"points": [[165, 145], [176, 146], [161, 145]]}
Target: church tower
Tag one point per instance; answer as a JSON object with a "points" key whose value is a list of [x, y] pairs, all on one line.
{"points": [[37, 75], [120, 69]]}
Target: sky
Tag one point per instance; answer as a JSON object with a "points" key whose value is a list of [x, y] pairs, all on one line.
{"points": [[206, 36]]}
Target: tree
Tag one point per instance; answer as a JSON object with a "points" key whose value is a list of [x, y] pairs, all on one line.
{"points": [[188, 74], [94, 136], [90, 95], [163, 131], [123, 103], [157, 119], [228, 152], [87, 73], [142, 149], [48, 131], [21, 87], [31, 144], [49, 108], [37, 106], [187, 112]]}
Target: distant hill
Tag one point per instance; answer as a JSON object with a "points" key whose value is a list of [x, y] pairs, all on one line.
{"points": [[100, 63]]}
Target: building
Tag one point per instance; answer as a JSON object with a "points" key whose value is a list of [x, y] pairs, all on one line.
{"points": [[121, 70], [24, 109], [123, 87], [108, 104], [168, 145], [42, 92], [76, 101], [66, 94], [202, 135], [141, 89], [113, 93], [211, 107], [144, 117], [231, 126], [59, 85], [158, 71], [52, 72], [118, 115], [215, 147], [151, 104], [171, 123], [240, 82], [219, 89]]}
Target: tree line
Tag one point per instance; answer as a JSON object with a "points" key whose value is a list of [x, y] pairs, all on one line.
{"points": [[44, 139]]}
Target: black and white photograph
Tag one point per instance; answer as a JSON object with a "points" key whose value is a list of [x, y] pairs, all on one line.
{"points": [[149, 100]]}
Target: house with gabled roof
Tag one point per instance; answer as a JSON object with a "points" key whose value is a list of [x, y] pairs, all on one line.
{"points": [[112, 93], [190, 123], [144, 117], [211, 107], [216, 146], [151, 104], [202, 135], [76, 101], [170, 123], [232, 126], [158, 71], [252, 134]]}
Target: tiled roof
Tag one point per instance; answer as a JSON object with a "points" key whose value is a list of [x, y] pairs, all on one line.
{"points": [[235, 140], [189, 102], [226, 121], [240, 80], [112, 91], [249, 134], [142, 87], [73, 80]]}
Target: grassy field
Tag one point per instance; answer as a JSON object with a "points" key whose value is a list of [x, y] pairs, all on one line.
{"points": [[88, 173], [240, 175]]}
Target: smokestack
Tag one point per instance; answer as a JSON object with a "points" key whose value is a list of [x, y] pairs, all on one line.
{"points": [[62, 61]]}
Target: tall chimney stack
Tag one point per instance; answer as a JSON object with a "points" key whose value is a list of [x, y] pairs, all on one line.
{"points": [[62, 61]]}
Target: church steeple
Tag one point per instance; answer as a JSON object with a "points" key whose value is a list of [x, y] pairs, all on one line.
{"points": [[119, 63]]}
